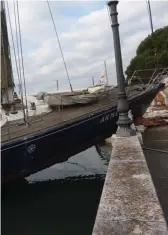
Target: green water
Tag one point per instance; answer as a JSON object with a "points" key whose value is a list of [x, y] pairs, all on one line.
{"points": [[60, 200]]}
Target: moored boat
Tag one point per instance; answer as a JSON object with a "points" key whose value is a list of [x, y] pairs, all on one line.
{"points": [[52, 136], [57, 136]]}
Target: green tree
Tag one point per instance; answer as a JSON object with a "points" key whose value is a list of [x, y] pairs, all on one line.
{"points": [[152, 52]]}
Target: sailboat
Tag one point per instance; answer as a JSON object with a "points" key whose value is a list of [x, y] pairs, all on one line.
{"points": [[51, 137], [103, 83]]}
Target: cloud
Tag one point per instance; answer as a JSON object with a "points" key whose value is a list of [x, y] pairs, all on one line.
{"points": [[86, 39]]}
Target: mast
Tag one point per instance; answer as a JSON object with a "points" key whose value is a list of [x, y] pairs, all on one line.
{"points": [[150, 17], [105, 68], [93, 80], [7, 81]]}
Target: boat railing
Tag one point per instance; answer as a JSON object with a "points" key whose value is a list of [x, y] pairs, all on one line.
{"points": [[149, 76], [161, 76]]}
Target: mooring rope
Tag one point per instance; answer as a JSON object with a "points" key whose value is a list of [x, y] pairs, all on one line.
{"points": [[156, 150]]}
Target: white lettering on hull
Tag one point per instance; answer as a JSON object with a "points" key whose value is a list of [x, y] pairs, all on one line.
{"points": [[108, 117]]}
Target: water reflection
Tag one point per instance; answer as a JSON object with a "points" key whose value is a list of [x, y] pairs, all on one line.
{"points": [[62, 199], [86, 163]]}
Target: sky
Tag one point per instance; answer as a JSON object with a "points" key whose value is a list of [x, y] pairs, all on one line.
{"points": [[86, 39]]}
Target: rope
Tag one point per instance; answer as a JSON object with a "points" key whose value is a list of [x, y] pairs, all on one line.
{"points": [[19, 67], [156, 150], [14, 51], [22, 57], [12, 35], [59, 45]]}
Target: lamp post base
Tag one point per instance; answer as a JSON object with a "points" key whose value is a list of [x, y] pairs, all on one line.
{"points": [[125, 131], [124, 126]]}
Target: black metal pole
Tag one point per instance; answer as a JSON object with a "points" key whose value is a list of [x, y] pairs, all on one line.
{"points": [[150, 16], [124, 122], [152, 32]]}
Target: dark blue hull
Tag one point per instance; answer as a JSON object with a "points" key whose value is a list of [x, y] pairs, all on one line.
{"points": [[30, 154]]}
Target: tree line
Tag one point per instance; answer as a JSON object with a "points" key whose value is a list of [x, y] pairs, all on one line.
{"points": [[151, 53]]}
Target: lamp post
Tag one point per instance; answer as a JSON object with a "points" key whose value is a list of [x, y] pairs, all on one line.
{"points": [[124, 122]]}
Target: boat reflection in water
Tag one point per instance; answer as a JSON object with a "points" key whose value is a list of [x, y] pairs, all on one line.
{"points": [[62, 199], [88, 163]]}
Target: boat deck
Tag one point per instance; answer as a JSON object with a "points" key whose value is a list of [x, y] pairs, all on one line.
{"points": [[16, 129]]}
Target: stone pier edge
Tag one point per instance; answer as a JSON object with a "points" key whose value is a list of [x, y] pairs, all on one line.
{"points": [[129, 203]]}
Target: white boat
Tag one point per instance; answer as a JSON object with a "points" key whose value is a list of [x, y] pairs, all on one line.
{"points": [[96, 88], [68, 100], [40, 108], [99, 88]]}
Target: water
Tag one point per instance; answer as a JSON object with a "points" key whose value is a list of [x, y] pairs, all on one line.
{"points": [[157, 138], [60, 200], [63, 199]]}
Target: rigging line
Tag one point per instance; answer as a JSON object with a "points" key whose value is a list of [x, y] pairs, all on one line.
{"points": [[14, 51], [152, 33], [17, 5], [19, 66], [3, 12], [9, 53], [59, 45], [12, 37], [17, 45]]}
